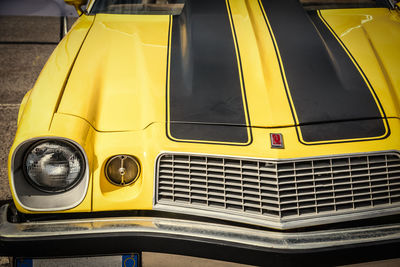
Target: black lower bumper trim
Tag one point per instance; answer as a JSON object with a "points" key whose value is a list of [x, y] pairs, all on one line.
{"points": [[125, 243]]}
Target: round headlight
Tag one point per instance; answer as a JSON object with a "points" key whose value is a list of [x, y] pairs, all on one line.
{"points": [[54, 165], [122, 170]]}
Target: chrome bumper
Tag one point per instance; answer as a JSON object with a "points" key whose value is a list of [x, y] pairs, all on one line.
{"points": [[194, 231]]}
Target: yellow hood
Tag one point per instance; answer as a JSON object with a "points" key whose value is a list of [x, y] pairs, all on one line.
{"points": [[119, 79]]}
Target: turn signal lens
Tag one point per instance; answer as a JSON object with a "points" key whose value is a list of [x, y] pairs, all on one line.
{"points": [[122, 170], [54, 165]]}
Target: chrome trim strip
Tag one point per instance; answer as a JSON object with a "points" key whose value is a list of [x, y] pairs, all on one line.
{"points": [[279, 224], [89, 7], [276, 159], [270, 221], [85, 178], [64, 26], [199, 231]]}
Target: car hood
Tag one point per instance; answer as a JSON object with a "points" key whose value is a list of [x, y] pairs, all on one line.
{"points": [[240, 68]]}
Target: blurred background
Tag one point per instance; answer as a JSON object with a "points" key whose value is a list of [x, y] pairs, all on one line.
{"points": [[51, 8]]}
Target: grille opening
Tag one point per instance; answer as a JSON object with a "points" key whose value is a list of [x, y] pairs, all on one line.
{"points": [[289, 213], [272, 190]]}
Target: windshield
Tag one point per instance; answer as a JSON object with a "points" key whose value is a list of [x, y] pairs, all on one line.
{"points": [[326, 4], [174, 7], [157, 7]]}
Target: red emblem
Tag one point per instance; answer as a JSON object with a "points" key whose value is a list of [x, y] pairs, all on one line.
{"points": [[276, 140]]}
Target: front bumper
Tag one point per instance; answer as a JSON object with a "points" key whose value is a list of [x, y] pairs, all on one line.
{"points": [[97, 236]]}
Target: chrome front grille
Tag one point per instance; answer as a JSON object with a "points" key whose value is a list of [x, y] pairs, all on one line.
{"points": [[275, 192]]}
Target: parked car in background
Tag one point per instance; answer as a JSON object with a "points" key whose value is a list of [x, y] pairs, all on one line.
{"points": [[251, 131]]}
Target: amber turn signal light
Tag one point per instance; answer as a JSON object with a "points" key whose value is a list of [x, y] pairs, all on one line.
{"points": [[122, 170]]}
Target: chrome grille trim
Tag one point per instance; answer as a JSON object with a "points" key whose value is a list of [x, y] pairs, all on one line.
{"points": [[279, 193]]}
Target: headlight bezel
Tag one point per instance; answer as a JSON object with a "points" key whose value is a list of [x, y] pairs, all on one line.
{"points": [[33, 200], [49, 189]]}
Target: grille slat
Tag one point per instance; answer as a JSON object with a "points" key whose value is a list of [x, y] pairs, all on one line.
{"points": [[277, 190], [354, 183], [344, 195]]}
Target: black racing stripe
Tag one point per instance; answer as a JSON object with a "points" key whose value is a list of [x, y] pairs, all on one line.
{"points": [[205, 91], [325, 86], [319, 132]]}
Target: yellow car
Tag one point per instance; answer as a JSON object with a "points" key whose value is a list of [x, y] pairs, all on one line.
{"points": [[241, 130]]}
